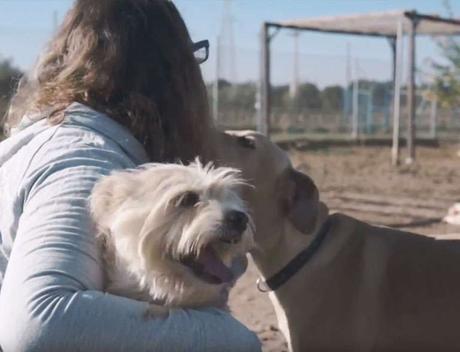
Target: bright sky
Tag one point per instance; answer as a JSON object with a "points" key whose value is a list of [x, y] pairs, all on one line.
{"points": [[26, 25]]}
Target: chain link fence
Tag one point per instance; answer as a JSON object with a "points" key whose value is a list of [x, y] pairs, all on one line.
{"points": [[326, 96]]}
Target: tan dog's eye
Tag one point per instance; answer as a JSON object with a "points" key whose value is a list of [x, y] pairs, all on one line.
{"points": [[247, 142], [188, 199]]}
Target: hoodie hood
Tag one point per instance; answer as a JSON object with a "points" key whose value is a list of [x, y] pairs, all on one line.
{"points": [[75, 115]]}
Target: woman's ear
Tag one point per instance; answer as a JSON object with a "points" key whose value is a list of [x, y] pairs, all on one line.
{"points": [[302, 204]]}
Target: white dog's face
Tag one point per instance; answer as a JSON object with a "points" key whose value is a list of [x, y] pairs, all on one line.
{"points": [[173, 232]]}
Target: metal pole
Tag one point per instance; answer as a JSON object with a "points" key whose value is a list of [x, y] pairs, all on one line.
{"points": [[392, 42], [355, 106], [397, 94], [411, 93], [294, 86], [263, 125], [370, 111], [346, 91], [215, 91], [434, 113]]}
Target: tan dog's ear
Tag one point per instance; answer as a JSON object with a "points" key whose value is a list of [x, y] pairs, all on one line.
{"points": [[302, 203], [107, 195]]}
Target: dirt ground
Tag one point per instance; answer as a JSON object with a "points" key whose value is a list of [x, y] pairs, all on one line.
{"points": [[361, 182]]}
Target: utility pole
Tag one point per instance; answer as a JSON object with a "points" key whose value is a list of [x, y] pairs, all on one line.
{"points": [[227, 44], [411, 91], [294, 86], [215, 88], [355, 106], [397, 69], [263, 123], [347, 89]]}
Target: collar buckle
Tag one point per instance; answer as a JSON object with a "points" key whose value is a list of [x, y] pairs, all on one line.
{"points": [[262, 285]]}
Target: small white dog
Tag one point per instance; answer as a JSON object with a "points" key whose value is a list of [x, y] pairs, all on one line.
{"points": [[170, 233]]}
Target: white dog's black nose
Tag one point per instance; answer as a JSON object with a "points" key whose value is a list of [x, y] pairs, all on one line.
{"points": [[235, 223]]}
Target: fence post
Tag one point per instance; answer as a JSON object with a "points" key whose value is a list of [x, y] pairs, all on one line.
{"points": [[263, 123], [355, 105], [433, 118], [397, 95], [411, 91]]}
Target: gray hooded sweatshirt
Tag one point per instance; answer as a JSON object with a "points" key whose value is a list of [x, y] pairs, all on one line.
{"points": [[51, 279]]}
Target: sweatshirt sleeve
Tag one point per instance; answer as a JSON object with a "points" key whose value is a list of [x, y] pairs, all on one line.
{"points": [[51, 298]]}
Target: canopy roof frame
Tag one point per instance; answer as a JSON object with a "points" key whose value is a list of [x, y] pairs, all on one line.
{"points": [[414, 19], [391, 18]]}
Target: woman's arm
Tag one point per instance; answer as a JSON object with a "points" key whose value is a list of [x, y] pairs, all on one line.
{"points": [[51, 299]]}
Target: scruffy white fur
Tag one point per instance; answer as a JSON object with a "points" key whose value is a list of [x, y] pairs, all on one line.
{"points": [[146, 230], [453, 215]]}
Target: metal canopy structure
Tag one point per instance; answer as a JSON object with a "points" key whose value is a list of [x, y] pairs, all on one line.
{"points": [[392, 25], [381, 24]]}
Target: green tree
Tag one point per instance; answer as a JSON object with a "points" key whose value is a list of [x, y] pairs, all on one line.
{"points": [[447, 81], [9, 76], [332, 98], [279, 96], [239, 96], [308, 97]]}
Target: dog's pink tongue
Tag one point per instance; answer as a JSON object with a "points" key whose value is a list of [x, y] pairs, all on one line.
{"points": [[214, 266]]}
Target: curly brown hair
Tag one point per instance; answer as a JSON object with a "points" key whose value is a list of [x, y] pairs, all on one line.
{"points": [[132, 60]]}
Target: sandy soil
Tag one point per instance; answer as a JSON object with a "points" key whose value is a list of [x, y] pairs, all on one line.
{"points": [[360, 182]]}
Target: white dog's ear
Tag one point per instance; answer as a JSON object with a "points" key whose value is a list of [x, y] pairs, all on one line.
{"points": [[107, 195], [302, 203]]}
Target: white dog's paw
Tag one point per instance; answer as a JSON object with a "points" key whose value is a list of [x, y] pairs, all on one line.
{"points": [[155, 311]]}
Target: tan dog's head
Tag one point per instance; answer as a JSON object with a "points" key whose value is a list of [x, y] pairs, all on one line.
{"points": [[283, 198], [176, 229]]}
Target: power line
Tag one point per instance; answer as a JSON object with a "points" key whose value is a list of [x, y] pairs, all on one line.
{"points": [[227, 44]]}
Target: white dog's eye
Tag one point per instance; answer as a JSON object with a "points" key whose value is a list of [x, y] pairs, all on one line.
{"points": [[188, 199]]}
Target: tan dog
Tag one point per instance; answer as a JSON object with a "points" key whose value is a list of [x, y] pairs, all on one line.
{"points": [[362, 287]]}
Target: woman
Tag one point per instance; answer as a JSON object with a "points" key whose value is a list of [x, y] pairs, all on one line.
{"points": [[118, 86]]}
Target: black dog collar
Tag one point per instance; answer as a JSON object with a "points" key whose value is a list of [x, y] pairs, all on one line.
{"points": [[282, 276]]}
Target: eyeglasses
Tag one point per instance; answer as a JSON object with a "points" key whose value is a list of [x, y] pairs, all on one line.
{"points": [[201, 50]]}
